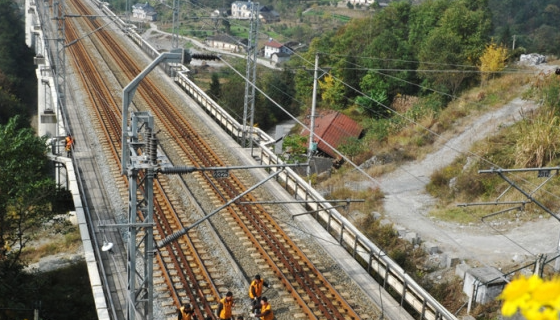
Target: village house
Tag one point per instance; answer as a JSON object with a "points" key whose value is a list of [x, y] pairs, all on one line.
{"points": [[267, 15], [273, 47], [242, 10], [335, 129], [219, 13], [362, 2], [279, 57], [227, 43], [144, 11]]}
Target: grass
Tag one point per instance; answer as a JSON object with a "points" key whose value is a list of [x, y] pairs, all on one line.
{"points": [[48, 243]]}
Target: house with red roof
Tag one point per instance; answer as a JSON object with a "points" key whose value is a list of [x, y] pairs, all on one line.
{"points": [[275, 47], [335, 129]]}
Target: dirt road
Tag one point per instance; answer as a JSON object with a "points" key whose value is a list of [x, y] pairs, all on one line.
{"points": [[407, 204]]}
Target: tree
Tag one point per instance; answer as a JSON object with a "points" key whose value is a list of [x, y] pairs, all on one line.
{"points": [[226, 25], [215, 91], [493, 60], [442, 58], [332, 92], [18, 84], [27, 191], [455, 44], [232, 93], [424, 18], [278, 86], [374, 104]]}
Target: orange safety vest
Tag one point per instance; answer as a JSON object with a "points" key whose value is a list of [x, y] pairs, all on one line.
{"points": [[256, 287], [266, 307], [69, 143], [226, 310], [184, 315]]}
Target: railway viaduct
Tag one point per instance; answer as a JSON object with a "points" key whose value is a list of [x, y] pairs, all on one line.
{"points": [[60, 112]]}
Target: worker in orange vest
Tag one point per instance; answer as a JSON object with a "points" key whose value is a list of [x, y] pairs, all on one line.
{"points": [[225, 307], [69, 143], [266, 310], [186, 312], [255, 292]]}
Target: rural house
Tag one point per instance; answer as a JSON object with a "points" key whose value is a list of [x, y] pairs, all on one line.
{"points": [[335, 128], [273, 47], [227, 43], [144, 11], [242, 10]]}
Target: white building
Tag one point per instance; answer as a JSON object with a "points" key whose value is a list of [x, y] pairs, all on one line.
{"points": [[227, 43], [242, 10], [272, 47], [144, 11]]}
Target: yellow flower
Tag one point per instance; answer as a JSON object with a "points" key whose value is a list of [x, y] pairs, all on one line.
{"points": [[536, 312], [547, 293], [517, 294], [535, 298]]}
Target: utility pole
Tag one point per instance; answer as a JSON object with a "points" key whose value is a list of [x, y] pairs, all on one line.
{"points": [[175, 36], [140, 170], [251, 76], [312, 144], [547, 172]]}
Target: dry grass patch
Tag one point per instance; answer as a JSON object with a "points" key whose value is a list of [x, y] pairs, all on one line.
{"points": [[48, 243]]}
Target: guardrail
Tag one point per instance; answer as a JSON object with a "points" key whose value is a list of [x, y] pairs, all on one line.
{"points": [[37, 40], [374, 260], [347, 234]]}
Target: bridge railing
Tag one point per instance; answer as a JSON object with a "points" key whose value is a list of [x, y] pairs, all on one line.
{"points": [[372, 258], [347, 235]]}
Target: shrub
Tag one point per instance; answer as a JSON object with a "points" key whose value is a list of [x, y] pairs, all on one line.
{"points": [[538, 142]]}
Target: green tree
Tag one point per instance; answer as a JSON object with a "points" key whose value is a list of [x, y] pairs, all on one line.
{"points": [[215, 90], [455, 45], [442, 58], [296, 147], [27, 191], [374, 105], [423, 19], [227, 26], [17, 73], [233, 93], [9, 102], [279, 86]]}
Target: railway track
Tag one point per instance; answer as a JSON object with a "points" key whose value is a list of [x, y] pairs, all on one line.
{"points": [[182, 264]]}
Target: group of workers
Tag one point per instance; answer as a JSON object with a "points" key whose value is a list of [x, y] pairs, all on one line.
{"points": [[260, 308]]}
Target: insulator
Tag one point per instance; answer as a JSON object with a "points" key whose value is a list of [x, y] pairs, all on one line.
{"points": [[152, 149], [176, 235], [148, 147], [205, 56], [177, 170]]}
